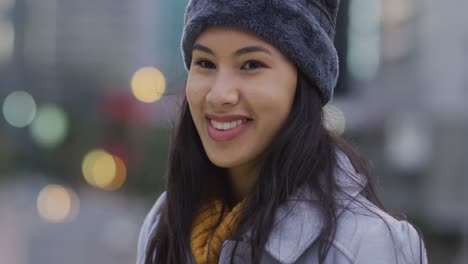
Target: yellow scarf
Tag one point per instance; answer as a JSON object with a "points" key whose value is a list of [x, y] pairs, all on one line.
{"points": [[207, 235]]}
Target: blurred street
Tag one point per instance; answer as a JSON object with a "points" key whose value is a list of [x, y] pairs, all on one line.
{"points": [[104, 231]]}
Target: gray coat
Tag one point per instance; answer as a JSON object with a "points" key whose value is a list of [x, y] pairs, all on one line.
{"points": [[365, 234]]}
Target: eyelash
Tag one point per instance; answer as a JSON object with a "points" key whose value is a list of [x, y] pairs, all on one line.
{"points": [[258, 63]]}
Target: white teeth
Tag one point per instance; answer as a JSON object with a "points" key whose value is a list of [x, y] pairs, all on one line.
{"points": [[227, 125]]}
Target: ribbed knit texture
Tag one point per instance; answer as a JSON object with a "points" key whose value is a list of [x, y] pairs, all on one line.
{"points": [[207, 237]]}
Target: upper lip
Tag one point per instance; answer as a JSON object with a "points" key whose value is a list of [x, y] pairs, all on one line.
{"points": [[226, 118]]}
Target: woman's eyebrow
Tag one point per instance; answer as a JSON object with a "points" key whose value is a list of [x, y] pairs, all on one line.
{"points": [[239, 52]]}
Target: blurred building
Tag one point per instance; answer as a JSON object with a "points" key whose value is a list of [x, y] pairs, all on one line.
{"points": [[408, 65]]}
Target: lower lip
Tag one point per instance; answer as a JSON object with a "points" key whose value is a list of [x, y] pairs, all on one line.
{"points": [[226, 135]]}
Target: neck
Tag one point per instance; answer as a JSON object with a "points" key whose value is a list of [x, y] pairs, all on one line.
{"points": [[241, 180]]}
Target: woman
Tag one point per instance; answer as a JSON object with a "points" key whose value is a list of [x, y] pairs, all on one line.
{"points": [[253, 175]]}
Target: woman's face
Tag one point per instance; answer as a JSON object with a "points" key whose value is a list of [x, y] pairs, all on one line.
{"points": [[240, 90]]}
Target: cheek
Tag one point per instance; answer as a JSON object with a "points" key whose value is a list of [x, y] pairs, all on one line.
{"points": [[284, 97], [198, 82], [273, 105], [274, 100], [194, 93], [194, 105], [189, 89]]}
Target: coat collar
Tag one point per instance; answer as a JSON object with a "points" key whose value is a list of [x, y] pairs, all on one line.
{"points": [[297, 224]]}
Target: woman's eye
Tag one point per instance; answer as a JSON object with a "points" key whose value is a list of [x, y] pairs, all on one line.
{"points": [[250, 65], [204, 64]]}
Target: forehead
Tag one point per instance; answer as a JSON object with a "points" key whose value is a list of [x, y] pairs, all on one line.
{"points": [[229, 39]]}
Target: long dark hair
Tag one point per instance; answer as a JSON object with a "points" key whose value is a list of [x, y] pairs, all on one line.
{"points": [[303, 153]]}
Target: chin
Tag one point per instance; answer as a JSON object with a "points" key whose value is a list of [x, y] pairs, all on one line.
{"points": [[225, 160], [224, 163]]}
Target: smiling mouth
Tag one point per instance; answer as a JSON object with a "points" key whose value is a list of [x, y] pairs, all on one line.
{"points": [[228, 125], [226, 131]]}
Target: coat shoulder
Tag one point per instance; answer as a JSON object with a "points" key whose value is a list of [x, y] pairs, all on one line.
{"points": [[149, 224], [366, 234]]}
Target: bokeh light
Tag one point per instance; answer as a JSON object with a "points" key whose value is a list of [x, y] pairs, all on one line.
{"points": [[99, 168], [335, 120], [408, 141], [148, 84], [120, 174], [104, 170], [19, 109], [50, 126], [57, 204]]}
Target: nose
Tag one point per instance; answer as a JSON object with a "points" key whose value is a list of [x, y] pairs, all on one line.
{"points": [[224, 92]]}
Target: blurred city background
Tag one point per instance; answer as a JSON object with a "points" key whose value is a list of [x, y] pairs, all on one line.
{"points": [[89, 91]]}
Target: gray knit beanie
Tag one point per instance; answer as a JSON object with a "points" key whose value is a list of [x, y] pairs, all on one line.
{"points": [[301, 29]]}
